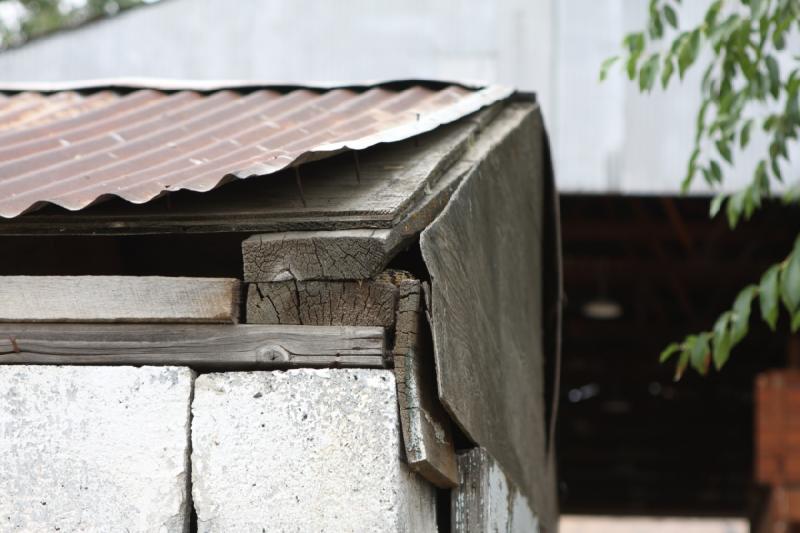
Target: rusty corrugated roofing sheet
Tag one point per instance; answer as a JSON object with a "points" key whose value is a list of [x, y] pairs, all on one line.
{"points": [[75, 147]]}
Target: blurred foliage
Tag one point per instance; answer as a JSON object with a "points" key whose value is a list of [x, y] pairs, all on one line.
{"points": [[750, 86], [22, 20]]}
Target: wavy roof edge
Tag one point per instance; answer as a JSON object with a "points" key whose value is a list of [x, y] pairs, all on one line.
{"points": [[167, 84]]}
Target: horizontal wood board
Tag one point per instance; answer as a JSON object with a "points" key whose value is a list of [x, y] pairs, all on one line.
{"points": [[118, 299], [201, 346]]}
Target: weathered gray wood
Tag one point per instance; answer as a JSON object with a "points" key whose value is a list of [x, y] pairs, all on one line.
{"points": [[118, 299], [484, 255], [394, 177], [486, 500], [426, 427], [201, 346], [310, 255], [324, 303]]}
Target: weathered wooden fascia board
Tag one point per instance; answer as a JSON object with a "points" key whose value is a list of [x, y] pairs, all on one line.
{"points": [[393, 178], [427, 434], [131, 299], [483, 253], [363, 253], [195, 345], [486, 500]]}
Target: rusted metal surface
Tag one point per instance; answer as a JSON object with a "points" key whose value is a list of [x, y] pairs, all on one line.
{"points": [[75, 147]]}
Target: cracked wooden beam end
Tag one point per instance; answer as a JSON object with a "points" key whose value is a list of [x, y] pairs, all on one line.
{"points": [[325, 303], [316, 255]]}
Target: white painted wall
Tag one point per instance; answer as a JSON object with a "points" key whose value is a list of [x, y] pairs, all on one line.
{"points": [[302, 40]]}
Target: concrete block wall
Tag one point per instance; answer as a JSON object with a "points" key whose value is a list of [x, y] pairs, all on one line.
{"points": [[107, 449], [94, 448]]}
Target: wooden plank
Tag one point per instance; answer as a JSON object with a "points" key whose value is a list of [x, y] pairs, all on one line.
{"points": [[486, 500], [118, 299], [393, 178], [426, 427], [484, 256], [201, 346], [325, 303]]}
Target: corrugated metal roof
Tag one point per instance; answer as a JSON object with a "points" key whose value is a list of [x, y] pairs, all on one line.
{"points": [[74, 148]]}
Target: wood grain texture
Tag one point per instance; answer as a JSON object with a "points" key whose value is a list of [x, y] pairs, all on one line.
{"points": [[324, 303], [394, 177], [315, 255], [484, 255], [118, 299], [426, 427], [201, 346], [486, 500]]}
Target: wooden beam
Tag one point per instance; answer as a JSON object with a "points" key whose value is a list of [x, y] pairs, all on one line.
{"points": [[315, 255], [325, 303], [200, 346], [118, 299], [426, 427]]}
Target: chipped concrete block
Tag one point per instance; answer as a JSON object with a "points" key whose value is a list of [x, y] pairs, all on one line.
{"points": [[303, 450], [94, 448]]}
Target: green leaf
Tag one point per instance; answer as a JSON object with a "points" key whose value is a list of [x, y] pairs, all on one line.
{"points": [[795, 322], [671, 16], [725, 151], [666, 72], [778, 40], [744, 137], [740, 319], [700, 353], [668, 352], [722, 341], [716, 204], [648, 73], [687, 53], [769, 294], [630, 66], [712, 13], [607, 64], [735, 208], [716, 171], [774, 76], [691, 170], [790, 282], [634, 42], [656, 27], [683, 362]]}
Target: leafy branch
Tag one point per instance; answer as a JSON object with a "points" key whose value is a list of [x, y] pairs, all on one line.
{"points": [[740, 45]]}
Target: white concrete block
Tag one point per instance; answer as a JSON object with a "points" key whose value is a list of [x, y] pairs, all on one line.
{"points": [[303, 450], [94, 448]]}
